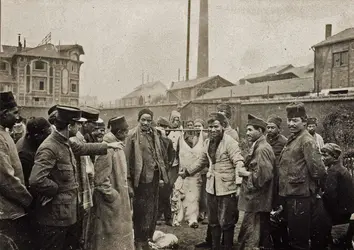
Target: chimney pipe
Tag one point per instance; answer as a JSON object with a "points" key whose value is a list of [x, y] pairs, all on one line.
{"points": [[203, 42], [179, 74], [19, 48], [328, 30], [24, 43]]}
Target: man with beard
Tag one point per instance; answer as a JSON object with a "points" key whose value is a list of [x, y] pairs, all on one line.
{"points": [[14, 197], [113, 225], [311, 127], [223, 156], [54, 180], [256, 194], [300, 170], [147, 170], [38, 129]]}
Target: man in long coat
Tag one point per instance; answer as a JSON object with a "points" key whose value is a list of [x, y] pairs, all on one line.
{"points": [[14, 197], [223, 156], [300, 170], [112, 218], [256, 194], [146, 169]]}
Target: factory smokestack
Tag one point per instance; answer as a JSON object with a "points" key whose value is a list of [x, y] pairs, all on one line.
{"points": [[203, 42]]}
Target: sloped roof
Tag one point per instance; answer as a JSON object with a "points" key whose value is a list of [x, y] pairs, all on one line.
{"points": [[347, 34], [287, 86], [191, 83], [137, 92], [9, 50], [301, 72], [69, 47], [45, 50], [270, 71]]}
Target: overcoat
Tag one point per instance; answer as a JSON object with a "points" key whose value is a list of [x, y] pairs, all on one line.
{"points": [[112, 217]]}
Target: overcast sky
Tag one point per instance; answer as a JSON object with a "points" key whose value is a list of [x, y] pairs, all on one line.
{"points": [[121, 38]]}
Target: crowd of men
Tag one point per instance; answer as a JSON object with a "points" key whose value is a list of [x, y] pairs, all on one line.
{"points": [[71, 182]]}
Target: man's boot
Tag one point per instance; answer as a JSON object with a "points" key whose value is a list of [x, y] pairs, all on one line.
{"points": [[228, 237], [207, 244], [216, 236]]}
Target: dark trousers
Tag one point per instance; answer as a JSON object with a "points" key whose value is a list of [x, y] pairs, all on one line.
{"points": [[255, 231], [222, 217], [16, 234], [165, 202], [298, 217], [203, 203], [145, 209], [61, 238]]}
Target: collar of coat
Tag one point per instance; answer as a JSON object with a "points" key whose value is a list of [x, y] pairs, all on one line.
{"points": [[110, 137], [297, 135], [255, 144], [60, 137]]}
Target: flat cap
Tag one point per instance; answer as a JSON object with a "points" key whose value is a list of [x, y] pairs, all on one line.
{"points": [[255, 121], [91, 114], [67, 113], [332, 149], [162, 121]]}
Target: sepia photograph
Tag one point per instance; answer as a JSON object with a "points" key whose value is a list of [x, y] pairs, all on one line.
{"points": [[176, 124]]}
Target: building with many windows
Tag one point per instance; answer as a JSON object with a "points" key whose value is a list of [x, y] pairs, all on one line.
{"points": [[43, 75]]}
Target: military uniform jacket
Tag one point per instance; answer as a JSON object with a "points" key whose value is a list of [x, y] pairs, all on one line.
{"points": [[54, 177]]}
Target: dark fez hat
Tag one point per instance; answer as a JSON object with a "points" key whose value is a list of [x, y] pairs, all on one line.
{"points": [[255, 121], [215, 116], [275, 119], [312, 120], [91, 114], [145, 111], [68, 114], [119, 123], [296, 109], [7, 100]]}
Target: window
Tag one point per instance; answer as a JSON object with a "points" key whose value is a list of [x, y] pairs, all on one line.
{"points": [[51, 86], [41, 85], [51, 71], [39, 65], [73, 87], [65, 81], [3, 66], [28, 84], [340, 59]]}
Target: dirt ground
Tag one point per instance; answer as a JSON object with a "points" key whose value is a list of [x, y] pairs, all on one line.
{"points": [[188, 237]]}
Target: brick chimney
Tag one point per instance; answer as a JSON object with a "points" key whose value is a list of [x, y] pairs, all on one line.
{"points": [[328, 30], [19, 47], [203, 42]]}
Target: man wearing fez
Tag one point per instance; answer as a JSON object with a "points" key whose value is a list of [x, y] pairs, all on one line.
{"points": [[277, 141], [99, 130], [38, 129], [338, 195], [168, 156], [112, 220], [147, 169], [311, 127], [225, 109], [256, 194], [223, 157], [54, 180], [300, 169], [14, 197]]}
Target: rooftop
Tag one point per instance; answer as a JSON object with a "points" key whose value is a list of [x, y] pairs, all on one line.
{"points": [[137, 92], [274, 70], [345, 35], [286, 86], [191, 83]]}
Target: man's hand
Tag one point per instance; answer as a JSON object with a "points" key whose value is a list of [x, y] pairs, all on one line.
{"points": [[114, 145], [183, 173], [243, 172]]}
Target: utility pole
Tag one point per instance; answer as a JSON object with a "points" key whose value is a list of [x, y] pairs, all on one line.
{"points": [[188, 38]]}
